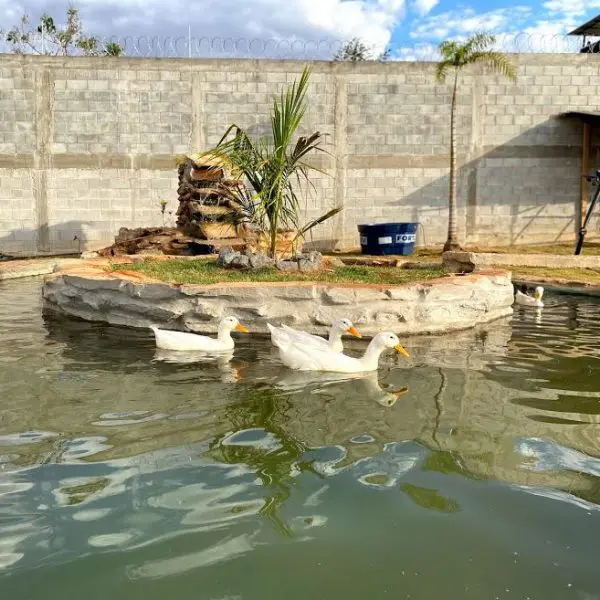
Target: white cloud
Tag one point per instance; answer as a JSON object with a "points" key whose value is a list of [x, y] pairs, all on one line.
{"points": [[418, 52], [310, 20], [319, 26], [424, 7], [392, 6], [517, 28], [514, 27], [462, 23], [572, 8], [547, 35]]}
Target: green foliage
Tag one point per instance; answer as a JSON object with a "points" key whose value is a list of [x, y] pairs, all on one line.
{"points": [[275, 167], [113, 49], [262, 407], [456, 55], [357, 51], [49, 38]]}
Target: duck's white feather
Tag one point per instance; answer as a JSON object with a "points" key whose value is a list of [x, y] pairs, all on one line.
{"points": [[182, 341], [308, 338], [312, 358], [317, 359], [525, 300]]}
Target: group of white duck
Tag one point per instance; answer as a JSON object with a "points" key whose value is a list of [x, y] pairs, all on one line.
{"points": [[304, 351], [298, 350]]}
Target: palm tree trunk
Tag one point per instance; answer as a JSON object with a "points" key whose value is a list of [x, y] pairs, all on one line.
{"points": [[273, 226], [452, 239]]}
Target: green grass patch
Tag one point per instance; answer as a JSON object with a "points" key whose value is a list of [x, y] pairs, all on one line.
{"points": [[206, 272], [564, 249], [426, 253], [569, 274]]}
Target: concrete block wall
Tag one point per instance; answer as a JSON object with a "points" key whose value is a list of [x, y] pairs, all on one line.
{"points": [[87, 145]]}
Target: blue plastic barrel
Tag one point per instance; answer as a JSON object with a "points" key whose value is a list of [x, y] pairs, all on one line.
{"points": [[388, 238]]}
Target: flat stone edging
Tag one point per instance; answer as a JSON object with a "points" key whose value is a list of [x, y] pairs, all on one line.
{"points": [[130, 299], [18, 269], [472, 261], [561, 286]]}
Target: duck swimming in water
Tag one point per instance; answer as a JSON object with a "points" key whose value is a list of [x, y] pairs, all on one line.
{"points": [[526, 300], [183, 341]]}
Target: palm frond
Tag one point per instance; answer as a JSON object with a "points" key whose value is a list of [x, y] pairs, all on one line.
{"points": [[448, 49], [441, 70], [275, 168], [497, 61], [479, 42], [319, 220], [476, 49]]}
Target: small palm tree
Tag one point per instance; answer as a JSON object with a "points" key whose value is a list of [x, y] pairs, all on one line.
{"points": [[276, 167], [456, 56]]}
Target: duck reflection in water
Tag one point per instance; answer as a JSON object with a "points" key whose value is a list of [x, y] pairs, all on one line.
{"points": [[230, 370], [364, 385]]}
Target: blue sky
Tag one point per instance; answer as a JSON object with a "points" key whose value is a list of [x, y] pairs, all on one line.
{"points": [[412, 27]]}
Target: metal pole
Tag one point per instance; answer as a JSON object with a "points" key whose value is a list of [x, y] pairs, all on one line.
{"points": [[43, 38], [583, 230], [585, 170], [189, 41]]}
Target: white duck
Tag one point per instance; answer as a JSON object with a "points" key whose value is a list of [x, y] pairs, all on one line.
{"points": [[182, 341], [337, 330], [535, 300], [312, 358]]}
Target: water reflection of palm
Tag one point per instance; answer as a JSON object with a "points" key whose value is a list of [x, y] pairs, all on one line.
{"points": [[276, 457]]}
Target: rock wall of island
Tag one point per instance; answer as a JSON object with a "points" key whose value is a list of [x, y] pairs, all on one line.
{"points": [[126, 298]]}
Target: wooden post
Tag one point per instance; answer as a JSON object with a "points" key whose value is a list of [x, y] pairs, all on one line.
{"points": [[585, 160]]}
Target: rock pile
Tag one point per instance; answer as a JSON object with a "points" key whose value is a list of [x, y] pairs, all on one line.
{"points": [[208, 211], [208, 208], [158, 240], [255, 261], [209, 217]]}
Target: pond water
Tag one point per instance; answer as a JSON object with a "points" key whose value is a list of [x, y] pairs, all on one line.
{"points": [[128, 475]]}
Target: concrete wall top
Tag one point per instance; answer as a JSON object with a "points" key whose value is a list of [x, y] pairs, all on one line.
{"points": [[251, 64]]}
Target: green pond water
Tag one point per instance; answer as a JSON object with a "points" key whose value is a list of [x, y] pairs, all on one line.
{"points": [[127, 474]]}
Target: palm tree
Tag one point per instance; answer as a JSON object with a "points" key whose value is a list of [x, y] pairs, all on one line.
{"points": [[456, 56], [276, 167]]}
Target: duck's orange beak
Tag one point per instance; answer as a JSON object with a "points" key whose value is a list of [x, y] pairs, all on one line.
{"points": [[400, 392], [241, 328], [401, 350], [353, 331]]}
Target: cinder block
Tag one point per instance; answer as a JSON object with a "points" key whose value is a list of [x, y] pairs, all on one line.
{"points": [[76, 84], [24, 235]]}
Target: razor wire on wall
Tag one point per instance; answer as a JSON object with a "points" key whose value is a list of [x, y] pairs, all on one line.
{"points": [[189, 46]]}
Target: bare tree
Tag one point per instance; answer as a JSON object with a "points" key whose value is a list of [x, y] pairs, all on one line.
{"points": [[49, 38]]}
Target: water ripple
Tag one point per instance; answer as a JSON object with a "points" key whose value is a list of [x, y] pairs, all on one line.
{"points": [[113, 453]]}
